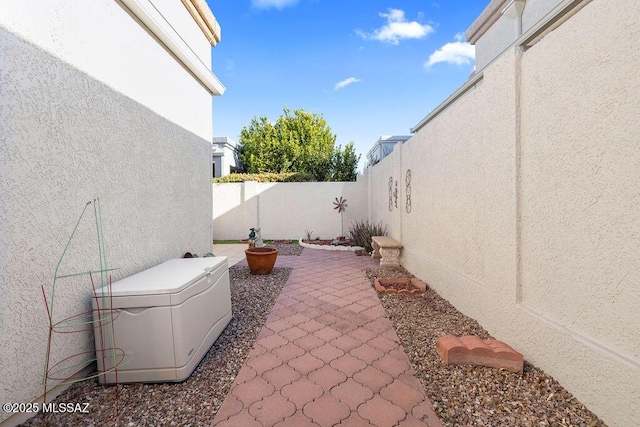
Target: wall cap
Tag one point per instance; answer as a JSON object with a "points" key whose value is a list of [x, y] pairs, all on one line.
{"points": [[162, 29]]}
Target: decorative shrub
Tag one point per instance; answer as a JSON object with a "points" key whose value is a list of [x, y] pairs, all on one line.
{"points": [[265, 177], [361, 232]]}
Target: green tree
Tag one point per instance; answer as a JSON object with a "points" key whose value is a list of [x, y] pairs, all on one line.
{"points": [[345, 163], [298, 142]]}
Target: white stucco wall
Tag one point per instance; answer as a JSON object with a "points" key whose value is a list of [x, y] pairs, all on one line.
{"points": [[103, 40], [503, 32], [525, 205], [387, 170], [286, 210], [89, 111], [581, 198]]}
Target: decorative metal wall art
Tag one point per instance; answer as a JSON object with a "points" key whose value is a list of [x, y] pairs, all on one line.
{"points": [[395, 195], [407, 180], [390, 193]]}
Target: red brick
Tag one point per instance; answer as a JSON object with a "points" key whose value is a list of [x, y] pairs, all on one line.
{"points": [[327, 353], [355, 420], [281, 376], [272, 409], [245, 374], [297, 420], [326, 410], [352, 393], [288, 352], [424, 412], [327, 377], [243, 419], [302, 392], [471, 350], [230, 407], [306, 363], [402, 395], [348, 364], [264, 362], [381, 412], [366, 353]]}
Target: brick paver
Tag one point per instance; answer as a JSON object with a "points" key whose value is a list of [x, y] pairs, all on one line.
{"points": [[327, 355]]}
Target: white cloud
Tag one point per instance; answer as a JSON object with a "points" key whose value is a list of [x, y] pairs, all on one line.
{"points": [[397, 28], [458, 52], [345, 82], [277, 4]]}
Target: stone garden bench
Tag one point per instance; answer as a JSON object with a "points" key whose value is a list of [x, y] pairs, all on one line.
{"points": [[387, 249]]}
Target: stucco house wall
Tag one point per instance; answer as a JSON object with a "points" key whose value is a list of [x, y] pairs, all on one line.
{"points": [[385, 178], [525, 193], [495, 30], [90, 111], [285, 210]]}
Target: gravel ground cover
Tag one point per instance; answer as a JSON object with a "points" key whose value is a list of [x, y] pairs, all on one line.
{"points": [[284, 249], [462, 395], [473, 395], [195, 401]]}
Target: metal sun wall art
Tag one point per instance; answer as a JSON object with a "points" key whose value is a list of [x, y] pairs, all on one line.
{"points": [[341, 206]]}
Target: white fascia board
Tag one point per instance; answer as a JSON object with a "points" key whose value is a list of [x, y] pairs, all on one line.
{"points": [[160, 27]]}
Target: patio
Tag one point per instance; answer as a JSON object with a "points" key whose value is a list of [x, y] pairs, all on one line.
{"points": [[312, 344], [327, 355]]}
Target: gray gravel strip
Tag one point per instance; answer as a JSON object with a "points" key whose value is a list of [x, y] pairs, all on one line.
{"points": [[195, 401], [287, 249], [473, 395]]}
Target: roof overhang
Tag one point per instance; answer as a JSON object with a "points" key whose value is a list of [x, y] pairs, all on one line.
{"points": [[162, 29], [487, 18], [201, 13]]}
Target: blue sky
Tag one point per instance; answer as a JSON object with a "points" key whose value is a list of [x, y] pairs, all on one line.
{"points": [[369, 67]]}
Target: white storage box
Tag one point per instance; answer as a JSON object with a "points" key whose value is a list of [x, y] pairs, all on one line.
{"points": [[165, 319]]}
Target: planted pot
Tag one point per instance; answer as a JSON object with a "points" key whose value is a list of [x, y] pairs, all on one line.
{"points": [[261, 260]]}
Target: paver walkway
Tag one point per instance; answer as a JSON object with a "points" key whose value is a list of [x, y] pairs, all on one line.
{"points": [[327, 355]]}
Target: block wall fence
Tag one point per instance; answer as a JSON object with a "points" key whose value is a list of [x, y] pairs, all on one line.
{"points": [[519, 203]]}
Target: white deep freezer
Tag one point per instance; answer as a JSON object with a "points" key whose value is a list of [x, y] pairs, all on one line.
{"points": [[165, 319]]}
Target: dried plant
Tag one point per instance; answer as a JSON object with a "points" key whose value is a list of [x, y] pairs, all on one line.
{"points": [[308, 234], [361, 232]]}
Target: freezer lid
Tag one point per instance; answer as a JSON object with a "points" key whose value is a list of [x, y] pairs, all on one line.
{"points": [[169, 277]]}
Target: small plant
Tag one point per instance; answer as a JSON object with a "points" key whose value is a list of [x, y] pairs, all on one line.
{"points": [[361, 232], [308, 234]]}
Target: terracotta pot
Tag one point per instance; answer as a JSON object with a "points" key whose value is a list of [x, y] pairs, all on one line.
{"points": [[261, 260]]}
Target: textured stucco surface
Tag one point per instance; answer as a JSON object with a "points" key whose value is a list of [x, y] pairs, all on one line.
{"points": [[67, 138], [581, 184], [388, 170], [129, 60], [460, 228], [526, 205], [503, 32], [285, 210]]}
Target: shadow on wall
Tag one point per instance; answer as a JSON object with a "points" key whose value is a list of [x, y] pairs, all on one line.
{"points": [[68, 138], [286, 210]]}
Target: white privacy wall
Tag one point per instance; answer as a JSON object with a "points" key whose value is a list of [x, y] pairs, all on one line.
{"points": [[525, 204], [286, 210], [91, 105]]}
